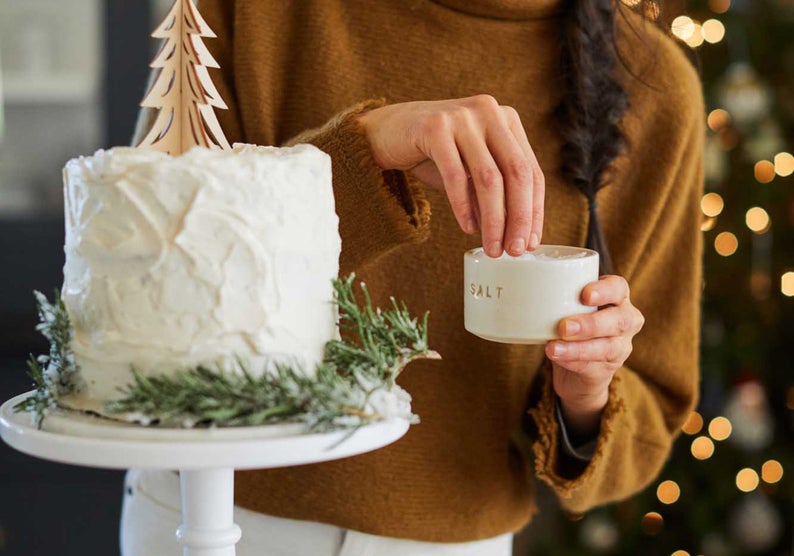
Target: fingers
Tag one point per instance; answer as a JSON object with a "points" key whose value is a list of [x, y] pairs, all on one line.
{"points": [[488, 185], [444, 152], [504, 197], [575, 355], [613, 321], [609, 290], [517, 177], [538, 185]]}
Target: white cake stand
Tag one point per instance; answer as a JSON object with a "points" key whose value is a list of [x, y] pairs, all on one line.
{"points": [[206, 458]]}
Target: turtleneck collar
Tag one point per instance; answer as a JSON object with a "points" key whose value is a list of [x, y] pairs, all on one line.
{"points": [[506, 9]]}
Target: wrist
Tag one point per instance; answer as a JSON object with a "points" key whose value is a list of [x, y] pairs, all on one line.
{"points": [[583, 417]]}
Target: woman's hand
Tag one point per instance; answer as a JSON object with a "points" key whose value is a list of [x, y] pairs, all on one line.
{"points": [[478, 153], [593, 347]]}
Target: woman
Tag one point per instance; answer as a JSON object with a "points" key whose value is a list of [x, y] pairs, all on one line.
{"points": [[504, 117]]}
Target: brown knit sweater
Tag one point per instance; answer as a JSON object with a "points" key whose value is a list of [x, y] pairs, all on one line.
{"points": [[298, 71]]}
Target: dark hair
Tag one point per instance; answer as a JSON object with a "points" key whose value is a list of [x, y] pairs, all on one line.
{"points": [[593, 102]]}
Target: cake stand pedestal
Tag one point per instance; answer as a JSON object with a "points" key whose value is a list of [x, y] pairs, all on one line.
{"points": [[206, 458]]}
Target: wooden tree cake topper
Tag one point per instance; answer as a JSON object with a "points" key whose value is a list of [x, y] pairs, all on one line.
{"points": [[183, 91]]}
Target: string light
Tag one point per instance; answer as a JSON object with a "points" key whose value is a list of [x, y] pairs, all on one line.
{"points": [[712, 204], [720, 428], [713, 30], [668, 492], [764, 171], [696, 39], [747, 480], [702, 447], [787, 284], [683, 27], [726, 244], [693, 423], [652, 523], [719, 6], [757, 219], [718, 119], [771, 471], [784, 164]]}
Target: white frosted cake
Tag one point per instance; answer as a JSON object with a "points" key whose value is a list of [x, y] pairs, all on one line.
{"points": [[199, 259]]}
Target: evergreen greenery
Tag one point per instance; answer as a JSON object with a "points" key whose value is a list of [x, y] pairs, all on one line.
{"points": [[337, 397], [57, 376]]}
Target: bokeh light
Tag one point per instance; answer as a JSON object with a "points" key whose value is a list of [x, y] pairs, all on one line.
{"points": [[712, 204], [787, 284], [697, 37], [726, 244], [771, 471], [720, 428], [784, 164], [683, 27], [747, 480], [718, 119], [757, 219], [693, 423], [764, 171], [652, 523], [719, 6], [668, 492], [708, 223], [680, 553], [728, 138], [713, 30], [702, 447]]}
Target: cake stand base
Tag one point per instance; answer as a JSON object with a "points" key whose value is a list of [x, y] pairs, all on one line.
{"points": [[206, 458]]}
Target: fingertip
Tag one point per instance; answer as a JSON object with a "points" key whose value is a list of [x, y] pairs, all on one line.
{"points": [[550, 349], [534, 241]]}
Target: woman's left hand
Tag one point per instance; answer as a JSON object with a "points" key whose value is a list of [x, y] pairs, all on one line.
{"points": [[592, 348]]}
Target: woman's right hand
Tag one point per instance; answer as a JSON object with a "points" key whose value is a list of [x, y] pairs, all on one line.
{"points": [[475, 150]]}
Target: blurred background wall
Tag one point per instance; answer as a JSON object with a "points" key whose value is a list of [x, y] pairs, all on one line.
{"points": [[72, 73]]}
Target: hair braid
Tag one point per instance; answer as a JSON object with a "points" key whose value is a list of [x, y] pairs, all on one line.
{"points": [[592, 105]]}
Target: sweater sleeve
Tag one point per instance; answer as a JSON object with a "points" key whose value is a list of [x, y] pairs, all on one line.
{"points": [[653, 393], [378, 210]]}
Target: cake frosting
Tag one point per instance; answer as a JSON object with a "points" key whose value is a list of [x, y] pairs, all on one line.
{"points": [[203, 258]]}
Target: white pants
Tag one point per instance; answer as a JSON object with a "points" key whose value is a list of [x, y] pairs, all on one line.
{"points": [[152, 512]]}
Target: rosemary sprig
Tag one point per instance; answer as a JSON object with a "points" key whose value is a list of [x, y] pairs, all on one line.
{"points": [[338, 396], [58, 376]]}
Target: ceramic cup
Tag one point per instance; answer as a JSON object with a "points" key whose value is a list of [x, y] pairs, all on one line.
{"points": [[520, 300]]}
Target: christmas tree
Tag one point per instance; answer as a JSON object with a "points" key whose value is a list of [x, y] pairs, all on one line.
{"points": [[183, 92], [727, 489]]}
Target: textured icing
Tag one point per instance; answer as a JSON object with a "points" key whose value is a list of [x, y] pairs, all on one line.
{"points": [[176, 261]]}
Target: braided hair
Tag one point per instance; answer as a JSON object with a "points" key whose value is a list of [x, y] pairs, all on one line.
{"points": [[593, 103]]}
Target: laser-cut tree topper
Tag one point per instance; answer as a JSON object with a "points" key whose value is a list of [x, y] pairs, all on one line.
{"points": [[183, 92]]}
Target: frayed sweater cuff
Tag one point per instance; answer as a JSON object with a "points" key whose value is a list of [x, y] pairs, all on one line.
{"points": [[378, 209]]}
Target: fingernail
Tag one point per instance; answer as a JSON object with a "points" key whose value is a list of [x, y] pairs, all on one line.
{"points": [[572, 328], [559, 350], [517, 246], [495, 249], [594, 296], [471, 225], [533, 240]]}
